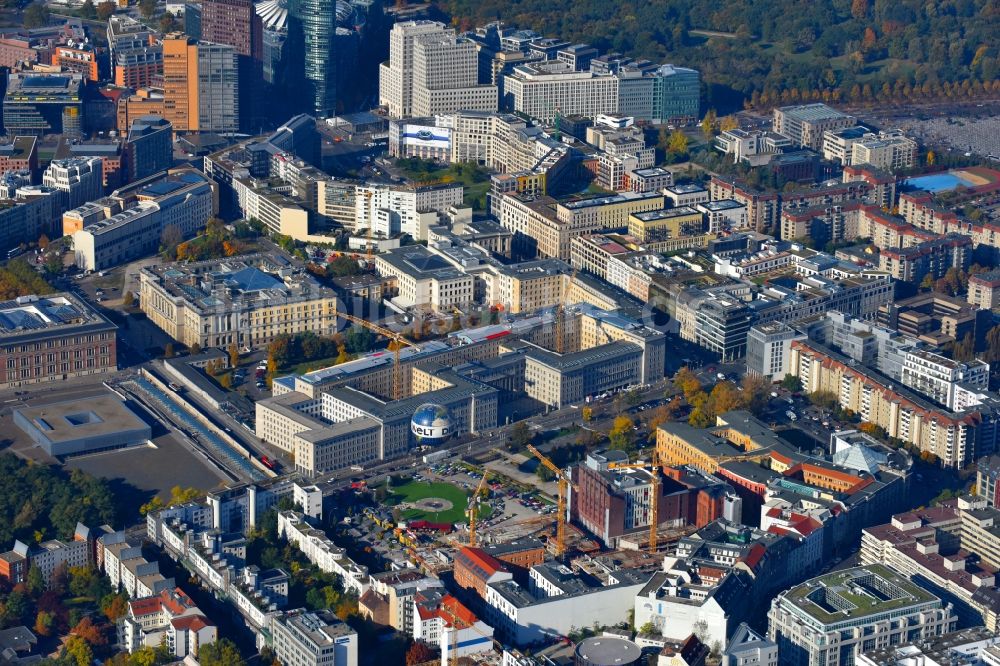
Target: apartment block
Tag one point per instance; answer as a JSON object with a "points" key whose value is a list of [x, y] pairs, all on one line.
{"points": [[956, 438], [984, 290]]}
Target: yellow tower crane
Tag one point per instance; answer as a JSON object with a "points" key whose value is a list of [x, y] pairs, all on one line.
{"points": [[653, 467], [474, 508], [399, 342], [564, 485]]}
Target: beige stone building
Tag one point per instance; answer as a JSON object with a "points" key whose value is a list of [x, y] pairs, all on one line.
{"points": [[247, 300], [984, 290]]}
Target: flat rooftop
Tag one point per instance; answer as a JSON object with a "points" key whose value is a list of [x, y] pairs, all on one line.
{"points": [[847, 596], [811, 113], [41, 316], [665, 213], [82, 417]]}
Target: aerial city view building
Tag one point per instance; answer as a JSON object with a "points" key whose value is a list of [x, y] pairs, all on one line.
{"points": [[357, 333]]}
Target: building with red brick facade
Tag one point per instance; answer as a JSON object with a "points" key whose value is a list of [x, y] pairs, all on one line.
{"points": [[616, 503], [474, 569], [51, 338], [21, 154]]}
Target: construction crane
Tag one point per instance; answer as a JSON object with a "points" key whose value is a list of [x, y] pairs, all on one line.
{"points": [[561, 313], [653, 467], [473, 509], [564, 485], [451, 658], [399, 342]]}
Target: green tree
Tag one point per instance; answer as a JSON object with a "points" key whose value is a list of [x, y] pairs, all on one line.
{"points": [[520, 435], [791, 383], [36, 15], [359, 340], [88, 10], [544, 473], [54, 263], [35, 581], [147, 8], [223, 652]]}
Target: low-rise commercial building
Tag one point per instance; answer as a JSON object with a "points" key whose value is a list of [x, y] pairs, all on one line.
{"points": [[523, 617]]}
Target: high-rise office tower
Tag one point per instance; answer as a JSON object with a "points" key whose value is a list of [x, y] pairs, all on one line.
{"points": [[312, 32], [396, 76], [200, 85], [236, 23]]}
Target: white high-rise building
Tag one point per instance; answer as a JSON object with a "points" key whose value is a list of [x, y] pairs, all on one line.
{"points": [[395, 77], [80, 179], [431, 71], [943, 380], [445, 77]]}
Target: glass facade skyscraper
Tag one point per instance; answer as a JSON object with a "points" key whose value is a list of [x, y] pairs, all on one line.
{"points": [[313, 25]]}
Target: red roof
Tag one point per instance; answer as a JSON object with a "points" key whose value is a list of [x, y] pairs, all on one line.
{"points": [[479, 561], [755, 555], [190, 623], [144, 606]]}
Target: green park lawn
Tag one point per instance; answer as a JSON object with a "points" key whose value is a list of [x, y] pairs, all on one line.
{"points": [[418, 490]]}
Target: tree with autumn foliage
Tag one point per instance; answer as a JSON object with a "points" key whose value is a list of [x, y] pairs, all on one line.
{"points": [[620, 435], [755, 394], [44, 623], [90, 632], [420, 653], [116, 608], [687, 382], [78, 651]]}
